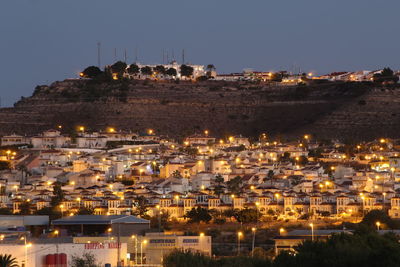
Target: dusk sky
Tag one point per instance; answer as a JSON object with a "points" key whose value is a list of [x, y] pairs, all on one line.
{"points": [[47, 40]]}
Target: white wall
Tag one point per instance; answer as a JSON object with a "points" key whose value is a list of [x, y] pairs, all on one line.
{"points": [[37, 252]]}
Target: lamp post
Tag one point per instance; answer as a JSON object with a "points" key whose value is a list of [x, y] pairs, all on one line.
{"points": [[62, 210], [312, 231], [144, 242], [281, 231], [79, 202], [135, 238], [159, 218], [258, 212], [253, 230], [384, 195], [239, 236], [378, 224], [363, 205]]}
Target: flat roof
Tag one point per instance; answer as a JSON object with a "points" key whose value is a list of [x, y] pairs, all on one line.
{"points": [[99, 219]]}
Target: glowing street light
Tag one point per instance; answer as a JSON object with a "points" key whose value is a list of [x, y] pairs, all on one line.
{"points": [[144, 242], [312, 231], [253, 230], [378, 224], [239, 236]]}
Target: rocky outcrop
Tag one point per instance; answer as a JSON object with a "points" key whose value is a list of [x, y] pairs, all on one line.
{"points": [[344, 110]]}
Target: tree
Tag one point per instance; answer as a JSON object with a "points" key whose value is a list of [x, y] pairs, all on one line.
{"points": [[186, 259], [171, 72], [4, 165], [177, 174], [146, 70], [6, 260], [218, 187], [141, 208], [269, 176], [235, 185], [160, 69], [5, 211], [210, 67], [53, 213], [58, 194], [25, 208], [374, 216], [197, 215], [387, 75], [85, 211], [87, 260], [186, 71], [133, 69], [358, 249], [161, 220], [246, 215], [91, 72], [119, 67]]}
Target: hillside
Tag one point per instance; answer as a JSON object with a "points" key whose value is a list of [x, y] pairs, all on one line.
{"points": [[343, 110]]}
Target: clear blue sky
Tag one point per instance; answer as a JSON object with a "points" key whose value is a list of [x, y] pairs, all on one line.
{"points": [[47, 40]]}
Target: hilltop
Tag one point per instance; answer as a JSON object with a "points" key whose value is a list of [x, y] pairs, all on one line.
{"points": [[328, 110]]}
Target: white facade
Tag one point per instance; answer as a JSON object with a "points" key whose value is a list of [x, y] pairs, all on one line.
{"points": [[35, 254], [158, 246], [50, 139], [14, 139]]}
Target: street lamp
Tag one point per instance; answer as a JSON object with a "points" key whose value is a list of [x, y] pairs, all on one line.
{"points": [[277, 196], [281, 231], [159, 217], [144, 242], [177, 199], [258, 211], [378, 224], [239, 236], [363, 204], [312, 231], [253, 230], [62, 210], [136, 248]]}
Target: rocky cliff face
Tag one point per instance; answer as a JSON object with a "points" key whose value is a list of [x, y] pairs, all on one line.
{"points": [[327, 110]]}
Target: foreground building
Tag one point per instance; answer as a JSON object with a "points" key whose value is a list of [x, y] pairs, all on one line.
{"points": [[62, 254]]}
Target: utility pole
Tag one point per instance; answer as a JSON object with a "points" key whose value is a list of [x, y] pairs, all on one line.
{"points": [[183, 56], [136, 55], [99, 55]]}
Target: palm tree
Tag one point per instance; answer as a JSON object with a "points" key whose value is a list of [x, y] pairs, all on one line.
{"points": [[6, 260]]}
